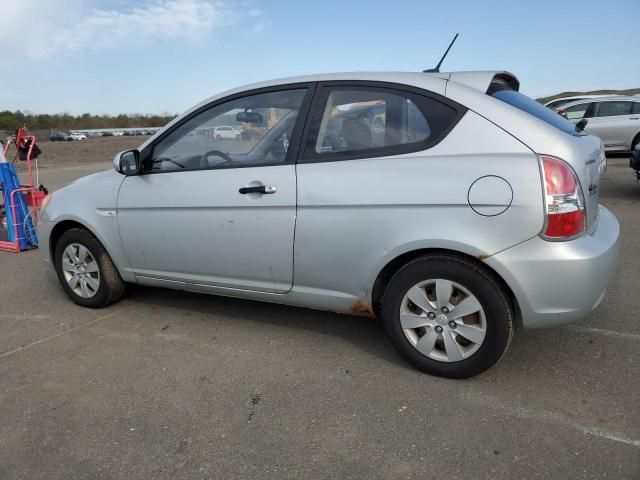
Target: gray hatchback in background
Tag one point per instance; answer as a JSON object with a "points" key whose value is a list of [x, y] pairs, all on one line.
{"points": [[449, 205]]}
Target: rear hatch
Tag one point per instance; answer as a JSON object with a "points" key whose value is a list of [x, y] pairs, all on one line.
{"points": [[583, 152]]}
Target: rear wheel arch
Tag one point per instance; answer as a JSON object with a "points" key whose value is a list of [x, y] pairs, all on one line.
{"points": [[393, 266]]}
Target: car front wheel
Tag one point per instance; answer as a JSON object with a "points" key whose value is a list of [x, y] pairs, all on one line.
{"points": [[85, 270], [447, 316]]}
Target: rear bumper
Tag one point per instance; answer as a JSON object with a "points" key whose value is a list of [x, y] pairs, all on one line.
{"points": [[556, 283]]}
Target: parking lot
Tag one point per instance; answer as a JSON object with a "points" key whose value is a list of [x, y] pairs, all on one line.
{"points": [[175, 385]]}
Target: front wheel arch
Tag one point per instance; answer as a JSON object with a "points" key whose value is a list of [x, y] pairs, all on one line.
{"points": [[61, 227], [58, 231]]}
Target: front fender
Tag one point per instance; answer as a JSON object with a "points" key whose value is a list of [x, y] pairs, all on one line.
{"points": [[91, 203]]}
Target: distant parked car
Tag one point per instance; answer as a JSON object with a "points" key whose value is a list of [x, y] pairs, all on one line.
{"points": [[470, 210], [78, 136], [118, 134], [558, 102], [616, 120], [107, 134], [60, 137], [226, 133]]}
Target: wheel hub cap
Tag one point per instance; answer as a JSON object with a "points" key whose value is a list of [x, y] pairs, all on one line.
{"points": [[443, 320], [80, 270]]}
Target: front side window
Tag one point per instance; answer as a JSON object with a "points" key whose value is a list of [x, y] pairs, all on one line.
{"points": [[357, 120], [248, 131], [576, 112], [611, 109]]}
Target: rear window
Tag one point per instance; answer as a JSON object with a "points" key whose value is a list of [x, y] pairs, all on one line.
{"points": [[529, 105]]}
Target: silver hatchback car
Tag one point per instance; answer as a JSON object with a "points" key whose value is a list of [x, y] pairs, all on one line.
{"points": [[449, 205]]}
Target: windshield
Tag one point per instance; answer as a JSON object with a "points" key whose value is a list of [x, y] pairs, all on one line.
{"points": [[529, 105]]}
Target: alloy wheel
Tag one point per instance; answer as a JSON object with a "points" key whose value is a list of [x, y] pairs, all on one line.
{"points": [[80, 270], [443, 320]]}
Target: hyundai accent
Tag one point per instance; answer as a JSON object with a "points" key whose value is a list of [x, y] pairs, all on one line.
{"points": [[449, 205]]}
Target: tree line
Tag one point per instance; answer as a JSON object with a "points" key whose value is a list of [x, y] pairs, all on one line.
{"points": [[63, 121]]}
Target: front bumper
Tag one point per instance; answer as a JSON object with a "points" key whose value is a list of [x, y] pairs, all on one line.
{"points": [[556, 283], [44, 229]]}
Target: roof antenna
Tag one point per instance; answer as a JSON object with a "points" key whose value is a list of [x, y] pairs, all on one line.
{"points": [[437, 69]]}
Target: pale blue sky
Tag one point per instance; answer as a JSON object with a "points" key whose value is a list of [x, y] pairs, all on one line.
{"points": [[154, 56]]}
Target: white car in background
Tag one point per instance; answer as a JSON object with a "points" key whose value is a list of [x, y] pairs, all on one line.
{"points": [[616, 120], [78, 136], [557, 104], [226, 133]]}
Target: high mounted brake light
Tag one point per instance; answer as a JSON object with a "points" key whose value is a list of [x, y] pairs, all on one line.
{"points": [[564, 201]]}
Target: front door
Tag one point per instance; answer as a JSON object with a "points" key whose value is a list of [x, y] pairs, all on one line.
{"points": [[218, 211]]}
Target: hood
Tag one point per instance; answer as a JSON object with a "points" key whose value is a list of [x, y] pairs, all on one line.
{"points": [[107, 175]]}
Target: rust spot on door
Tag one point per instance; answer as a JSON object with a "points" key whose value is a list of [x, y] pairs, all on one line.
{"points": [[362, 309]]}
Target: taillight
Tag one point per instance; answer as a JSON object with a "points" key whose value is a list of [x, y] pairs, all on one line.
{"points": [[564, 201]]}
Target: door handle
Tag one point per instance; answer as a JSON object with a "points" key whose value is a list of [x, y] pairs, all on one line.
{"points": [[266, 189]]}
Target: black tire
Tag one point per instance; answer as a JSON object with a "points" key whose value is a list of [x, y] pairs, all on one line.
{"points": [[492, 297], [635, 142], [111, 286]]}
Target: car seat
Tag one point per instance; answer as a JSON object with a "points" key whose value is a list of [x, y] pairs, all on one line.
{"points": [[357, 134]]}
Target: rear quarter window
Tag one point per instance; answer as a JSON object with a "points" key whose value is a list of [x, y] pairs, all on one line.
{"points": [[530, 106], [364, 121]]}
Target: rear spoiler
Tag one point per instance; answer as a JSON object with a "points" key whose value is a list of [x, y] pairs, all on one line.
{"points": [[503, 81], [486, 82]]}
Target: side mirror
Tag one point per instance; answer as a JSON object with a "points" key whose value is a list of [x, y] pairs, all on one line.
{"points": [[127, 162], [249, 117]]}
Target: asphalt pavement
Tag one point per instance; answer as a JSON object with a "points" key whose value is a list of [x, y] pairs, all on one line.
{"points": [[177, 385]]}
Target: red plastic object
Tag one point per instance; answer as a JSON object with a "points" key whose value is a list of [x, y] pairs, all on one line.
{"points": [[33, 196]]}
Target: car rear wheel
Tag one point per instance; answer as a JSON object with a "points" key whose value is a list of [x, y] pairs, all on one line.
{"points": [[447, 316], [85, 270]]}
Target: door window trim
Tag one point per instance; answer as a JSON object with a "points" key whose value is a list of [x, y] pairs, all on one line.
{"points": [[294, 143], [307, 153]]}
